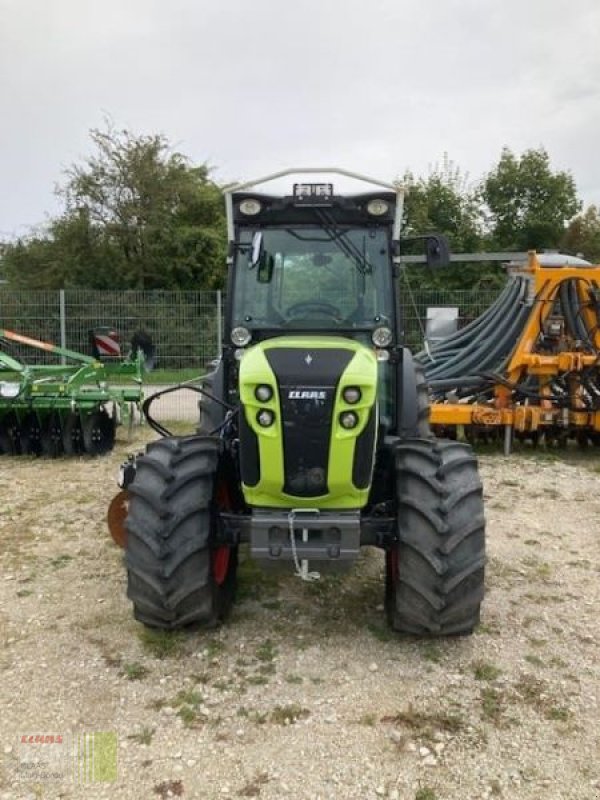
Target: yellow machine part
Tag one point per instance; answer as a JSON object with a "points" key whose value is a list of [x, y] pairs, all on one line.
{"points": [[503, 410]]}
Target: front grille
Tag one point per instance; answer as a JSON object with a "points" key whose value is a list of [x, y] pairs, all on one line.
{"points": [[306, 436], [307, 381]]}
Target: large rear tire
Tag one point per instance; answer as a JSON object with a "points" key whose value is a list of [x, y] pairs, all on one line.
{"points": [[435, 573], [176, 574]]}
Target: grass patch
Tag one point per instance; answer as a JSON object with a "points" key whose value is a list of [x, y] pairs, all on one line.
{"points": [[431, 652], [134, 671], [426, 724], [174, 375], [288, 714], [214, 647], [535, 660], [254, 583], [266, 651], [487, 629], [558, 714], [257, 680], [533, 691], [368, 719], [188, 702], [161, 644], [293, 679], [143, 737], [188, 716], [484, 671], [425, 793], [257, 717], [492, 703], [380, 632], [58, 562]]}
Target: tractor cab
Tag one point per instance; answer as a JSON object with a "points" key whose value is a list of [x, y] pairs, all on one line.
{"points": [[312, 262]]}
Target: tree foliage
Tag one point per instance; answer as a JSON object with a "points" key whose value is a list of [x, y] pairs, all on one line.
{"points": [[582, 237], [445, 202], [529, 203], [137, 216]]}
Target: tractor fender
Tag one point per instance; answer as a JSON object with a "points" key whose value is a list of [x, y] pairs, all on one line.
{"points": [[408, 396], [212, 413]]}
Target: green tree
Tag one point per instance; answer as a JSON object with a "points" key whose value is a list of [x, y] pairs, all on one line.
{"points": [[445, 202], [583, 235], [137, 216], [529, 203]]}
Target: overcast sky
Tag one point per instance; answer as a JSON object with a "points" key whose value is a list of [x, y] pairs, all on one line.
{"points": [[252, 86]]}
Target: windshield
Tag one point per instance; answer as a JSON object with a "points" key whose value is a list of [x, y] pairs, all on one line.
{"points": [[329, 278]]}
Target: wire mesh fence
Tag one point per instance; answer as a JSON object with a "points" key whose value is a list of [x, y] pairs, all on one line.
{"points": [[184, 327]]}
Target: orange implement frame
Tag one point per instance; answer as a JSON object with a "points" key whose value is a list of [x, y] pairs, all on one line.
{"points": [[566, 357]]}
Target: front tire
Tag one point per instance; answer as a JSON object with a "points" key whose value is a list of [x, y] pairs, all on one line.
{"points": [[176, 574], [435, 572]]}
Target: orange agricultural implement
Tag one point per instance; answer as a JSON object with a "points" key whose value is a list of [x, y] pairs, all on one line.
{"points": [[529, 367]]}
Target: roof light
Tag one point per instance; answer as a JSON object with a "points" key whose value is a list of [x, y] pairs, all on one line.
{"points": [[250, 207], [377, 208]]}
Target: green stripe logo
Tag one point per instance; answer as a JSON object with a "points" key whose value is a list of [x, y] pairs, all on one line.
{"points": [[95, 757]]}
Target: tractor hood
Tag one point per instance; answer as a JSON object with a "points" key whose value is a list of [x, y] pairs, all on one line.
{"points": [[308, 422]]}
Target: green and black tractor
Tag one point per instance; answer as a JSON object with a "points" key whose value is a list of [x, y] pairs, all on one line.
{"points": [[314, 438]]}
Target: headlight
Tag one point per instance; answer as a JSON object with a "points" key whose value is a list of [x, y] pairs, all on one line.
{"points": [[250, 207], [351, 395], [377, 207], [348, 420], [381, 337], [265, 418], [263, 393], [240, 336]]}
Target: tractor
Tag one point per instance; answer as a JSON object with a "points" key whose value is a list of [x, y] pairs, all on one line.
{"points": [[314, 438]]}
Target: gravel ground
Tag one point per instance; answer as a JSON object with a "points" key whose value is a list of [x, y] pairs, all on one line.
{"points": [[305, 693]]}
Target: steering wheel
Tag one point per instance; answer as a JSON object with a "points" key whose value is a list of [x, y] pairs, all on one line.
{"points": [[315, 305]]}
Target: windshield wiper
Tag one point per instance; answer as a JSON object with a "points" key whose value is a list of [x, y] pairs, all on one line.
{"points": [[342, 240]]}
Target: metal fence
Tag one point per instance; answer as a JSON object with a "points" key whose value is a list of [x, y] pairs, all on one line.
{"points": [[183, 326]]}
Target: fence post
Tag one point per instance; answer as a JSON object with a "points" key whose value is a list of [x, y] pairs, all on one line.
{"points": [[219, 323], [63, 323]]}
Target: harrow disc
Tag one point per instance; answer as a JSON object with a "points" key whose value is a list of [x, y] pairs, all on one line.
{"points": [[52, 436], [10, 434], [31, 435], [72, 435], [98, 433]]}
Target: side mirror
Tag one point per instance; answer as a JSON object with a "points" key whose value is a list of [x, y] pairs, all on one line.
{"points": [[256, 250], [437, 250], [266, 266]]}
